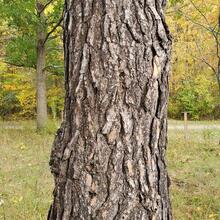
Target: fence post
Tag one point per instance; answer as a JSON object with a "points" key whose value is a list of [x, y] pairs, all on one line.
{"points": [[185, 126]]}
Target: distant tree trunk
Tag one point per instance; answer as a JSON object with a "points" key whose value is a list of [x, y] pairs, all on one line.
{"points": [[217, 38], [108, 158], [41, 77]]}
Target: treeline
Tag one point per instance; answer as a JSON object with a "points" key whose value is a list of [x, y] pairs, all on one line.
{"points": [[193, 82], [18, 93]]}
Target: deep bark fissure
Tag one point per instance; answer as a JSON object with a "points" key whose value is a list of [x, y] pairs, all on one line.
{"points": [[108, 156]]}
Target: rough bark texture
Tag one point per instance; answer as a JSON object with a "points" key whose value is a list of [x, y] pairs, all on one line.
{"points": [[41, 77], [108, 158]]}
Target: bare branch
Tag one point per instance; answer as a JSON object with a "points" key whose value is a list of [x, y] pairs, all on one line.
{"points": [[200, 12], [217, 45], [207, 63], [211, 30], [203, 59], [54, 28], [45, 6]]}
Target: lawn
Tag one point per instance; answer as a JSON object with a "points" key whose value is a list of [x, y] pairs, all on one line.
{"points": [[26, 183]]}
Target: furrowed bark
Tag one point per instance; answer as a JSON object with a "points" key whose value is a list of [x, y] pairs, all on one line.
{"points": [[108, 158]]}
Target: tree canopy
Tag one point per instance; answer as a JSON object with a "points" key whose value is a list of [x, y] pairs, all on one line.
{"points": [[22, 20]]}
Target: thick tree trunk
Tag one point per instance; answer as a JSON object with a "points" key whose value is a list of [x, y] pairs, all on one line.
{"points": [[108, 158], [41, 77]]}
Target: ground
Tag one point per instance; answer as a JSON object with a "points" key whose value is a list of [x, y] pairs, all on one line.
{"points": [[26, 183]]}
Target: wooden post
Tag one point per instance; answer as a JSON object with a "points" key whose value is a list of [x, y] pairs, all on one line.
{"points": [[185, 126]]}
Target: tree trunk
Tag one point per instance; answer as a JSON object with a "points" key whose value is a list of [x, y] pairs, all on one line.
{"points": [[41, 77], [218, 74], [217, 39], [108, 158]]}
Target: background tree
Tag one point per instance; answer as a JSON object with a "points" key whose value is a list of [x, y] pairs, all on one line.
{"points": [[207, 17], [108, 158], [194, 87], [34, 25]]}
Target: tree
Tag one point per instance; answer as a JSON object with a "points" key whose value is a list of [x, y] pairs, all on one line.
{"points": [[42, 37], [207, 17], [193, 86], [108, 158], [34, 24]]}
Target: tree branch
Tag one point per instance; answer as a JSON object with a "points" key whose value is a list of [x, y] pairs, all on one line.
{"points": [[45, 6], [211, 30], [54, 28], [203, 59], [200, 12], [207, 63]]}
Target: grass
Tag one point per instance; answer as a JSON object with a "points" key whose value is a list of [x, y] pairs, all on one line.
{"points": [[194, 168], [25, 180], [26, 183]]}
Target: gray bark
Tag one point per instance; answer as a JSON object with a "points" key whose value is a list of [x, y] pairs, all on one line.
{"points": [[108, 157], [41, 77]]}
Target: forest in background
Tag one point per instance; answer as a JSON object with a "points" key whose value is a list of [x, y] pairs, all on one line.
{"points": [[193, 82]]}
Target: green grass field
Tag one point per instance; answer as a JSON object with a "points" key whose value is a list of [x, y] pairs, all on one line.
{"points": [[26, 183]]}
